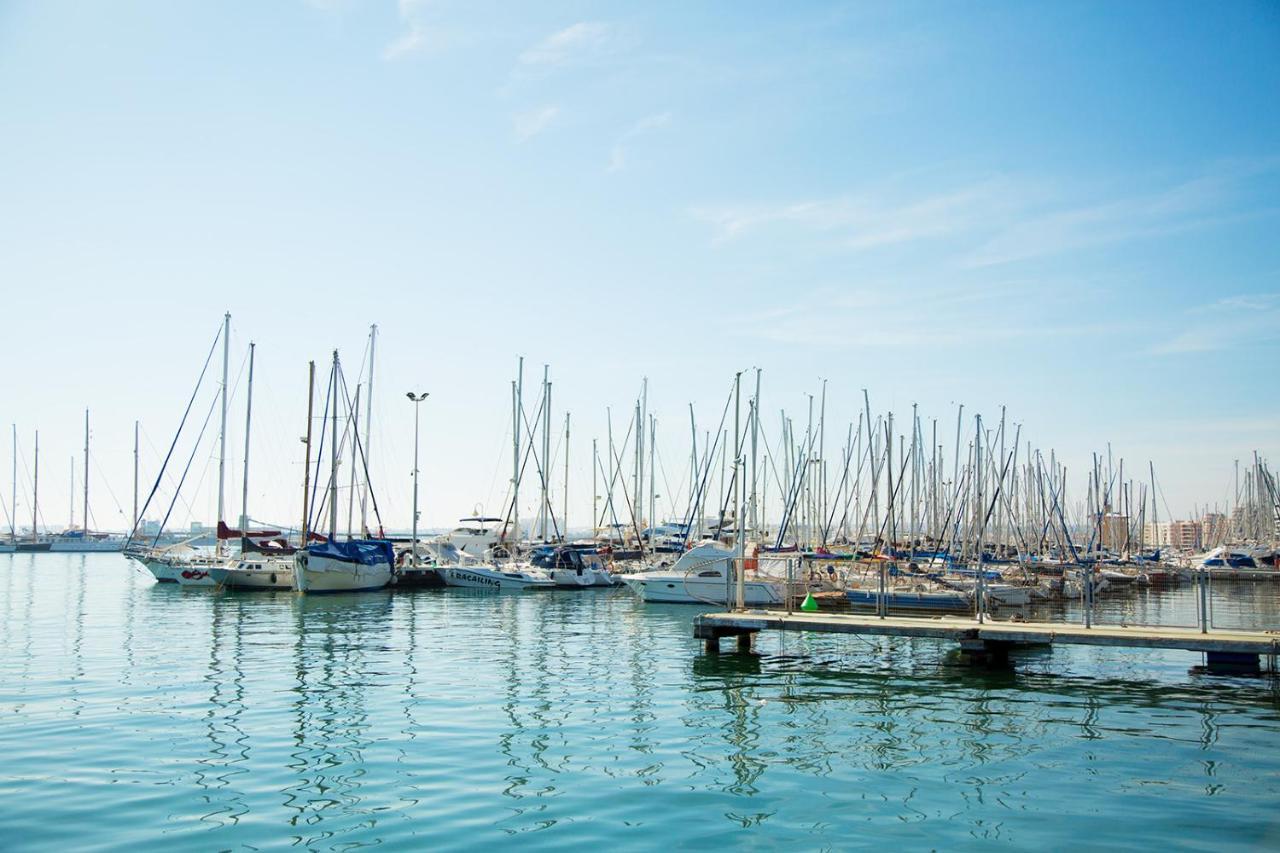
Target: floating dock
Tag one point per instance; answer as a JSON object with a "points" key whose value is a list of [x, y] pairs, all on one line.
{"points": [[991, 641]]}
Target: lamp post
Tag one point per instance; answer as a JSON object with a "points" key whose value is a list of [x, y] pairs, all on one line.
{"points": [[416, 398]]}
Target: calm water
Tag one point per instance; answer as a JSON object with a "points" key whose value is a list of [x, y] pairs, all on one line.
{"points": [[153, 717]]}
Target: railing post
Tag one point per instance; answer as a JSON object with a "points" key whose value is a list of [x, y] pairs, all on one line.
{"points": [[881, 607], [1203, 579], [740, 586], [790, 586], [1086, 593]]}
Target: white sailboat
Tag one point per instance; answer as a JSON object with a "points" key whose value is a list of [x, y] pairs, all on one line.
{"points": [[356, 565]]}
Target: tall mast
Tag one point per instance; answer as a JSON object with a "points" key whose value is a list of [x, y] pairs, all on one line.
{"points": [[517, 395], [13, 512], [134, 529], [755, 438], [355, 458], [248, 420], [564, 517], [222, 433], [71, 494], [653, 482], [333, 453], [368, 433], [86, 473], [545, 509], [306, 467], [35, 491]]}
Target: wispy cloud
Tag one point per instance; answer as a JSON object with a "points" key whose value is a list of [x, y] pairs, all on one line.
{"points": [[1226, 323], [1002, 220], [862, 316], [529, 124], [618, 154], [870, 219], [414, 37], [560, 47]]}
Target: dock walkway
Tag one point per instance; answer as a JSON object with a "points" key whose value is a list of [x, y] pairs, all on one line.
{"points": [[990, 641]]}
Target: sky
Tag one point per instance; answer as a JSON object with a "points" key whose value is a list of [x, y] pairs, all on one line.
{"points": [[1070, 210]]}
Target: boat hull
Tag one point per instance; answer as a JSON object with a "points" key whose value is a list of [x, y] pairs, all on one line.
{"points": [[673, 589], [936, 602], [317, 573], [490, 578]]}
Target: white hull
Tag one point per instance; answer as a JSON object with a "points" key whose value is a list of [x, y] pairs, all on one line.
{"points": [[313, 573], [79, 546], [582, 578], [672, 588], [490, 577]]}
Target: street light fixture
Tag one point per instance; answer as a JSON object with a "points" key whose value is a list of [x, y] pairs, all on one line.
{"points": [[416, 398]]}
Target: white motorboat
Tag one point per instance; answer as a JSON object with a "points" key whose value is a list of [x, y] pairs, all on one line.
{"points": [[256, 573], [475, 536], [490, 576], [354, 566], [702, 575]]}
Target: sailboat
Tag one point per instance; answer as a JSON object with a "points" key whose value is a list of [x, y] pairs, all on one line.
{"points": [[354, 565], [82, 540], [179, 563], [36, 543]]}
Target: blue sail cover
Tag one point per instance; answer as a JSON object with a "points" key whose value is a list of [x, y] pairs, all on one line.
{"points": [[369, 552]]}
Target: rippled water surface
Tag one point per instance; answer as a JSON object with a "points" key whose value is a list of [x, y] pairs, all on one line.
{"points": [[155, 717]]}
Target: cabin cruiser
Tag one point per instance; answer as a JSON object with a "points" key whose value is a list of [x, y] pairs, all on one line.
{"points": [[357, 565], [476, 536], [702, 575], [253, 571]]}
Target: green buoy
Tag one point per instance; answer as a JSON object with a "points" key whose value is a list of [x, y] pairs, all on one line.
{"points": [[810, 604]]}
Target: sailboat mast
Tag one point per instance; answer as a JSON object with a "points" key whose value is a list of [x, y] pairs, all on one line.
{"points": [[86, 473], [306, 466], [368, 433], [222, 432], [333, 454], [517, 395], [134, 529], [564, 516], [248, 420], [71, 494], [35, 490], [13, 513]]}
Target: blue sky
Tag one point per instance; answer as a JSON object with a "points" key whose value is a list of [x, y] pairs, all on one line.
{"points": [[1069, 209]]}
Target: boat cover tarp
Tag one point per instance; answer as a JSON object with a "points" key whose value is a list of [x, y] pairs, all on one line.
{"points": [[369, 552]]}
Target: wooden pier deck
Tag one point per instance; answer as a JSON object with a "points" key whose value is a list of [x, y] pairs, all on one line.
{"points": [[990, 641]]}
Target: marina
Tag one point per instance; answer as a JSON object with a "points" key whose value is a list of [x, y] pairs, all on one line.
{"points": [[597, 426]]}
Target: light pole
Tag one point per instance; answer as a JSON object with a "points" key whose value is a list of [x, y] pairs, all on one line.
{"points": [[416, 398]]}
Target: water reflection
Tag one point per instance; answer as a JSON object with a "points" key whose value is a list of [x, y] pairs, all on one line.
{"points": [[446, 718]]}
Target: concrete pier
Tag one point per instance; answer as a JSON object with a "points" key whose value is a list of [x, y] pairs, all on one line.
{"points": [[990, 642]]}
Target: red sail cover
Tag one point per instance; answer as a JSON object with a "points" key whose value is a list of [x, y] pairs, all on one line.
{"points": [[225, 532]]}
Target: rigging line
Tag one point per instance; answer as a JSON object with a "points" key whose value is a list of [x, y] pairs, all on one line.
{"points": [[364, 462], [142, 513], [609, 481], [704, 480], [316, 509], [617, 472], [190, 459]]}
